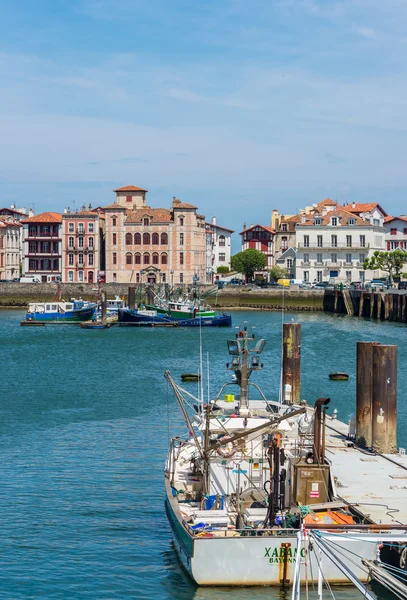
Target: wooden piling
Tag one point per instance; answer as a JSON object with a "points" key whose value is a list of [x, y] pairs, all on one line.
{"points": [[131, 298], [364, 382], [104, 306], [361, 300], [291, 363], [404, 307], [371, 305], [384, 399]]}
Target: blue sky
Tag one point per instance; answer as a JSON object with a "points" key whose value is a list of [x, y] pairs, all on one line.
{"points": [[237, 106]]}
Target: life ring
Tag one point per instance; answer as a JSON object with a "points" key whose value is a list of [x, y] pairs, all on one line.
{"points": [[230, 449]]}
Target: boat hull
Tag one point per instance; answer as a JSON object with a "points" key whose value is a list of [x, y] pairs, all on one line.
{"points": [[129, 316], [82, 314], [262, 560]]}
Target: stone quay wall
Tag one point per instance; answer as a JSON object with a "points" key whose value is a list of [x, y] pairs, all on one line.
{"points": [[239, 297]]}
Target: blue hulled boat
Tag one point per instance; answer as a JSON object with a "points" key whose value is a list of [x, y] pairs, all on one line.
{"points": [[140, 317], [61, 312]]}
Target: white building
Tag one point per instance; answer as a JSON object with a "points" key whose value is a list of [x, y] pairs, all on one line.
{"points": [[334, 243], [10, 249], [396, 233], [218, 249]]}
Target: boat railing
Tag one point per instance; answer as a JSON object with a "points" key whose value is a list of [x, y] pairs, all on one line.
{"points": [[339, 529]]}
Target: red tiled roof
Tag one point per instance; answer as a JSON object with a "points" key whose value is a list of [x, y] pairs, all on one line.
{"points": [[130, 188], [253, 226], [219, 227], [388, 219], [157, 215], [326, 219], [359, 208], [115, 206], [46, 217], [6, 224], [327, 202], [69, 215], [183, 205], [16, 212]]}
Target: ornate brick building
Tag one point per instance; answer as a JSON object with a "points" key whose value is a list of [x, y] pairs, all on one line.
{"points": [[155, 245], [82, 245]]}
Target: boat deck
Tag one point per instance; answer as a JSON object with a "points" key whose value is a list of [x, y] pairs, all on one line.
{"points": [[376, 484]]}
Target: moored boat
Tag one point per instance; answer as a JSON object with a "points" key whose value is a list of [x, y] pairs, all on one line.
{"points": [[60, 312], [253, 493], [136, 316]]}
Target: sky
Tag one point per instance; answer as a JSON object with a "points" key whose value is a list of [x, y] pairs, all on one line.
{"points": [[236, 106]]}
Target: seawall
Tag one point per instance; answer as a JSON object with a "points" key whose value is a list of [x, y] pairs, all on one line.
{"points": [[20, 294]]}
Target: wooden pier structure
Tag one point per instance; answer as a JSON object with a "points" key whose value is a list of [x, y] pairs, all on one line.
{"points": [[383, 306]]}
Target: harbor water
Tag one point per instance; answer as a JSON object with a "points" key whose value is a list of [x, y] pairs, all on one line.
{"points": [[85, 422]]}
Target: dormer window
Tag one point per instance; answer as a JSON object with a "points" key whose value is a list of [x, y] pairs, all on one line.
{"points": [[318, 221], [352, 222], [146, 221], [284, 227], [334, 221]]}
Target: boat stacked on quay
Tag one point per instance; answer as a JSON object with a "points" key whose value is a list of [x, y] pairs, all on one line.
{"points": [[265, 493]]}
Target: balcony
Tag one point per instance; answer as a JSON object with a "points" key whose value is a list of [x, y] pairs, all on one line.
{"points": [[53, 254], [330, 246], [42, 235]]}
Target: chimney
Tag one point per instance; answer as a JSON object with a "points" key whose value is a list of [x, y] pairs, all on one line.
{"points": [[68, 210], [65, 211], [244, 226], [30, 213], [22, 210], [175, 201], [213, 220], [83, 207], [302, 218], [353, 205], [89, 207]]}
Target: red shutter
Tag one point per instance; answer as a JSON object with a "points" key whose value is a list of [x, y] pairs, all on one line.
{"points": [[129, 198]]}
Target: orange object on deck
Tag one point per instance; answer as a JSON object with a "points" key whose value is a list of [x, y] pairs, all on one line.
{"points": [[328, 517]]}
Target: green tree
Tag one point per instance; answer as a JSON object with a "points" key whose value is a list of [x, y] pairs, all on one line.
{"points": [[222, 269], [248, 262], [278, 273], [389, 262]]}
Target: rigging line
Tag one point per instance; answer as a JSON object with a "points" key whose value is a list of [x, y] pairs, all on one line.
{"points": [[340, 550], [323, 576], [168, 413], [280, 395]]}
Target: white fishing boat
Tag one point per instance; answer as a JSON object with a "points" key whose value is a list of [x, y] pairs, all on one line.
{"points": [[258, 491]]}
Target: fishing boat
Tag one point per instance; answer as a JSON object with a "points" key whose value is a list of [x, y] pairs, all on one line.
{"points": [[258, 490], [182, 318], [58, 311], [338, 376]]}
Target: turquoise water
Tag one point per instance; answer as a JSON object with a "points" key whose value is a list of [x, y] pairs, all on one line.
{"points": [[84, 427]]}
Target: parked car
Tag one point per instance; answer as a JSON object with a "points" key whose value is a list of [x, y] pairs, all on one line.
{"points": [[402, 285], [29, 279], [16, 280], [321, 285], [236, 281]]}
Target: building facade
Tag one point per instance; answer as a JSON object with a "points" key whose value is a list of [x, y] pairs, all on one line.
{"points": [[10, 249], [333, 245], [42, 246], [260, 238], [284, 233], [218, 249], [396, 233], [154, 245], [83, 257]]}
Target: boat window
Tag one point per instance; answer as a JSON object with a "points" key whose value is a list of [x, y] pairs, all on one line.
{"points": [[48, 307], [54, 307], [69, 307]]}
